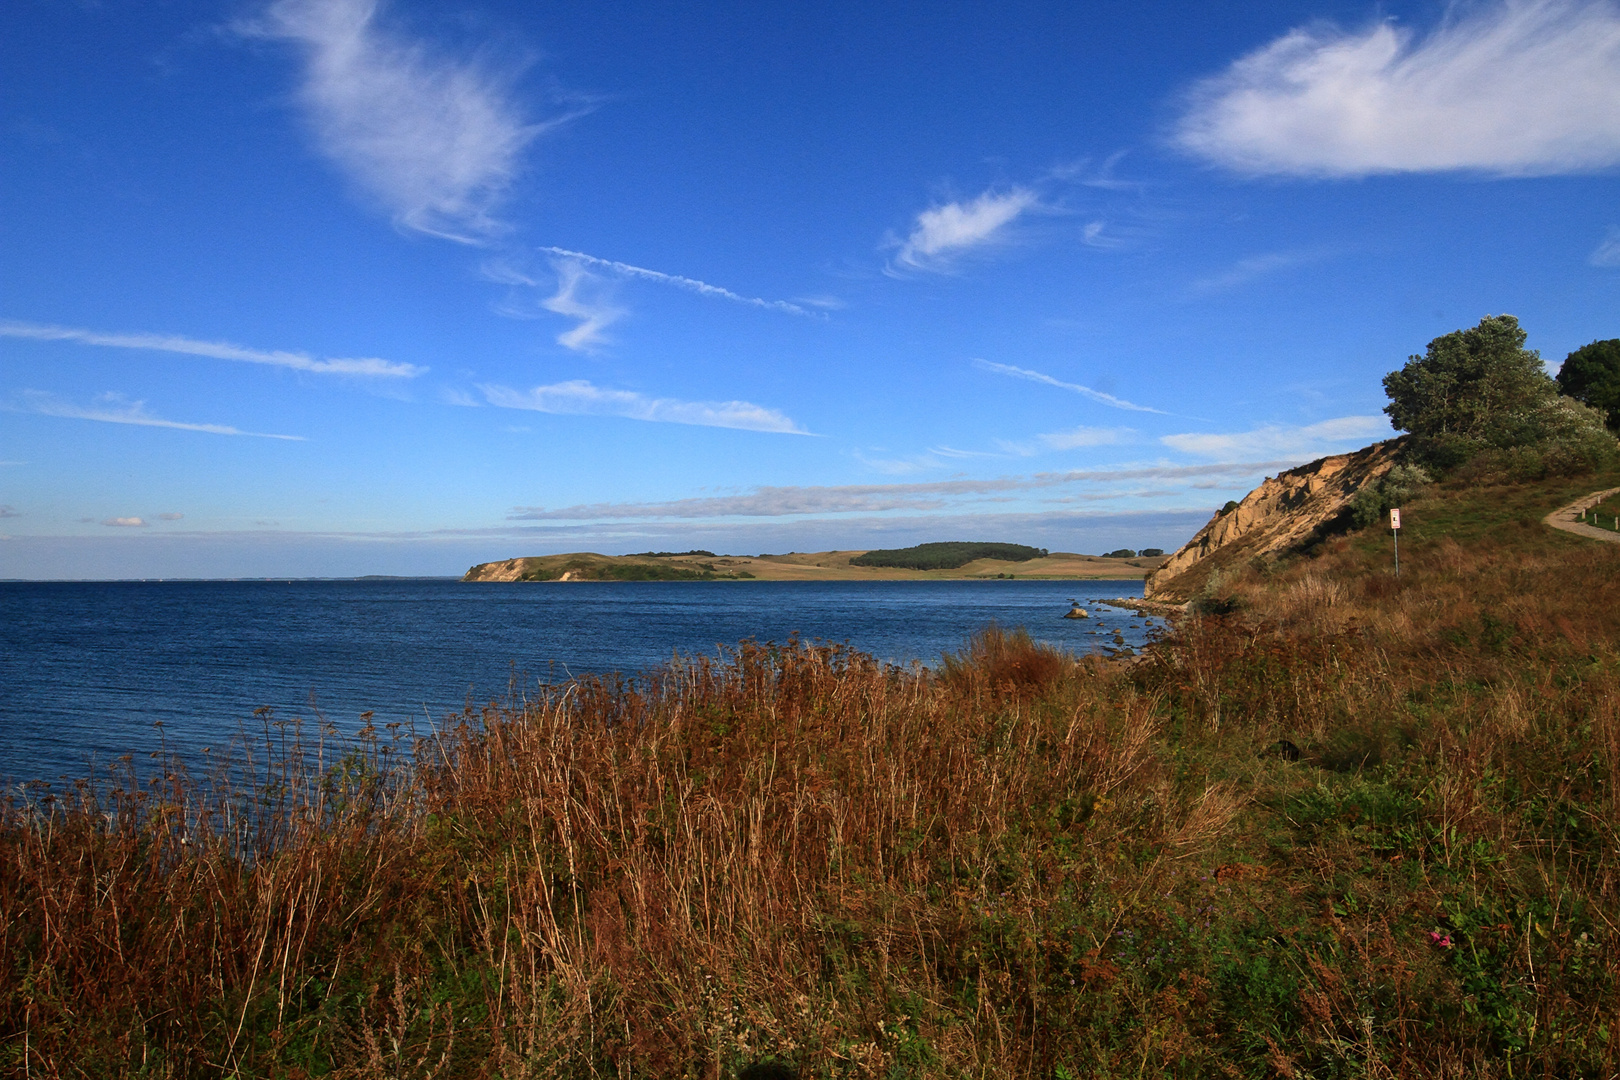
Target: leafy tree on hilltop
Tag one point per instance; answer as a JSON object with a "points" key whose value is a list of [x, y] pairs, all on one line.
{"points": [[1479, 396], [1591, 375], [1470, 389]]}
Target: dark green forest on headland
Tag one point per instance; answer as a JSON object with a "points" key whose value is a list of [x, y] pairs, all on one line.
{"points": [[947, 555]]}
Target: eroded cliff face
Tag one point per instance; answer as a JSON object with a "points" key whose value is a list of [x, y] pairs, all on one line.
{"points": [[506, 570], [1283, 513]]}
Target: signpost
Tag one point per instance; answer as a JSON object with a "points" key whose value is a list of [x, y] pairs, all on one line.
{"points": [[1395, 529]]}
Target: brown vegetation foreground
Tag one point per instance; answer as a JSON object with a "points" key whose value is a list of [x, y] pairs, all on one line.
{"points": [[1355, 826]]}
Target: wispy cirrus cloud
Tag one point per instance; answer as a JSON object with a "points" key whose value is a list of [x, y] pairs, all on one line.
{"points": [[435, 137], [1073, 439], [370, 367], [1511, 88], [1608, 252], [935, 457], [794, 501], [761, 502], [943, 234], [450, 395], [117, 409], [1306, 441], [584, 291], [1084, 391], [1095, 234], [692, 285], [580, 397], [1254, 268], [582, 295], [126, 522]]}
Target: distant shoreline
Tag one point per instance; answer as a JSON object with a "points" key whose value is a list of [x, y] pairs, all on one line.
{"points": [[586, 566]]}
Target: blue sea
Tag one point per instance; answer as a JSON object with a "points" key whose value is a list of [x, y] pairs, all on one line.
{"points": [[89, 669]]}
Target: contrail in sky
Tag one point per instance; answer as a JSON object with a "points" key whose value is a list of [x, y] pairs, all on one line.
{"points": [[1094, 395], [702, 288]]}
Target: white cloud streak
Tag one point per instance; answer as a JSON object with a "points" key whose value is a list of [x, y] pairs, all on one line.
{"points": [[219, 350], [693, 285], [1085, 391], [1253, 268], [580, 397], [935, 457], [1095, 235], [1073, 439], [1511, 88], [943, 233], [435, 138], [766, 502], [1276, 439], [116, 409], [1608, 252], [126, 522], [578, 296], [459, 398]]}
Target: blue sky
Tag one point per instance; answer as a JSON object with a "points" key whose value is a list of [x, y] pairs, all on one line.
{"points": [[330, 287]]}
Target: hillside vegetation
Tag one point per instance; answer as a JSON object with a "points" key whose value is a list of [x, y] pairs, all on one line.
{"points": [[1352, 826], [950, 555]]}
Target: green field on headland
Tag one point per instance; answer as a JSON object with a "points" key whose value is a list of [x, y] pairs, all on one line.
{"points": [[1336, 824]]}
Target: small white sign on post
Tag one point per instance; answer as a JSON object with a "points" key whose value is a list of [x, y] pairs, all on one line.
{"points": [[1395, 531]]}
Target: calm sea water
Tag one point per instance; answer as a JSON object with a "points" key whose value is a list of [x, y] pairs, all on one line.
{"points": [[87, 669]]}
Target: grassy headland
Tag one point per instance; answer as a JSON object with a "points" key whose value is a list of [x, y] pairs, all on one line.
{"points": [[1354, 826], [801, 566]]}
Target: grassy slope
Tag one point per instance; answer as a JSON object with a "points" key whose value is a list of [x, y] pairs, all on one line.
{"points": [[1014, 866], [835, 566]]}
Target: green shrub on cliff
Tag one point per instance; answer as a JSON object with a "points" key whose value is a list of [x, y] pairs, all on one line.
{"points": [[1372, 502]]}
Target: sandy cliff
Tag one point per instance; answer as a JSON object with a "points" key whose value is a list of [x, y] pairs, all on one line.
{"points": [[505, 570], [1285, 512]]}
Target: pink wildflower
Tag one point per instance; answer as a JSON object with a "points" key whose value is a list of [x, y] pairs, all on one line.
{"points": [[1440, 940]]}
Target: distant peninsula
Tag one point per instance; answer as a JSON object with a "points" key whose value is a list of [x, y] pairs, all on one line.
{"points": [[982, 561]]}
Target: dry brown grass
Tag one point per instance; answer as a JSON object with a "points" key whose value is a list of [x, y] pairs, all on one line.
{"points": [[719, 863]]}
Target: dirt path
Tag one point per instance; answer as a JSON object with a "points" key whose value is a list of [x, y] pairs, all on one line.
{"points": [[1565, 518]]}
